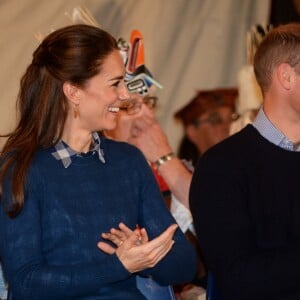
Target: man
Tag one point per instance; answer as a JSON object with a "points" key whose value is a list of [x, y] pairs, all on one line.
{"points": [[245, 192]]}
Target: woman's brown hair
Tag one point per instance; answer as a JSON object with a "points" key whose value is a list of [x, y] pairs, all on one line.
{"points": [[73, 53]]}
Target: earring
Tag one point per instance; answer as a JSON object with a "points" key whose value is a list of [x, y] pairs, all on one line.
{"points": [[75, 111]]}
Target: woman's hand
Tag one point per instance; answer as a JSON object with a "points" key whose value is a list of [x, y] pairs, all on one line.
{"points": [[135, 251], [118, 236]]}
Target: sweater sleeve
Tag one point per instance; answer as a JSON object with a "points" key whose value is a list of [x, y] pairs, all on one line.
{"points": [[227, 232], [28, 274], [179, 265]]}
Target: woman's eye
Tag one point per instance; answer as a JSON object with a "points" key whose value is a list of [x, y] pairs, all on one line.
{"points": [[116, 83]]}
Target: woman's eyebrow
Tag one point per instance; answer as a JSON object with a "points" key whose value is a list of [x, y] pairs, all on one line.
{"points": [[117, 78]]}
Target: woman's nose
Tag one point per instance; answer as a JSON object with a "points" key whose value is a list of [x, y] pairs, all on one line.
{"points": [[124, 94]]}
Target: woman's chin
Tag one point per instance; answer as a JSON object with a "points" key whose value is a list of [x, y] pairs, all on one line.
{"points": [[110, 125]]}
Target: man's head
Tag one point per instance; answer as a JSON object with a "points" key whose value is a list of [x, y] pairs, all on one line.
{"points": [[280, 46], [137, 107], [207, 117]]}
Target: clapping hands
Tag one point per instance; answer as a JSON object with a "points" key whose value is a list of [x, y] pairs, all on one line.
{"points": [[134, 249]]}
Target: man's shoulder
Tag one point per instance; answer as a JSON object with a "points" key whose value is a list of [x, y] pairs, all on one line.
{"points": [[240, 140], [234, 148]]}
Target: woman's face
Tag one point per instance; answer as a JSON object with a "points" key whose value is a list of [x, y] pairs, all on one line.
{"points": [[210, 128], [101, 96]]}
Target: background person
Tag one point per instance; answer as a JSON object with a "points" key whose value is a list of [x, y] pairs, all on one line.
{"points": [[206, 120], [250, 95], [137, 125]]}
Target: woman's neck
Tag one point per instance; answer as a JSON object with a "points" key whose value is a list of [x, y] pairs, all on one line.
{"points": [[79, 142], [74, 136]]}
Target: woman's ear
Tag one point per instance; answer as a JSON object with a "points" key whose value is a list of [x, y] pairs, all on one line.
{"points": [[72, 92]]}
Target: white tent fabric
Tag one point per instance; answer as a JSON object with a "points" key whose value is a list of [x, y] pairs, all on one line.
{"points": [[189, 44]]}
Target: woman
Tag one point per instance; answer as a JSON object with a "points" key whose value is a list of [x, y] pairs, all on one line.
{"points": [[62, 185]]}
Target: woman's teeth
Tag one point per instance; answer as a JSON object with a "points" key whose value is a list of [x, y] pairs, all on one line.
{"points": [[113, 109]]}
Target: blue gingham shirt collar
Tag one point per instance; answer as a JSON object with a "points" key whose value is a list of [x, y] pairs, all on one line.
{"points": [[271, 133], [64, 153]]}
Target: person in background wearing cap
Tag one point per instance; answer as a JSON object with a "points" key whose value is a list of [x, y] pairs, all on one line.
{"points": [[206, 120], [245, 191], [136, 124]]}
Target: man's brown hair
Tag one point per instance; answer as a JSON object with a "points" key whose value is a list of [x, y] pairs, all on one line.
{"points": [[280, 45]]}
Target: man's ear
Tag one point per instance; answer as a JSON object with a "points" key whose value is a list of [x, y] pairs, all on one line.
{"points": [[285, 75], [72, 92], [191, 132]]}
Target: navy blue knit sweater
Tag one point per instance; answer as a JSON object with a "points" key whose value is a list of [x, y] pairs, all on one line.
{"points": [[245, 200], [50, 251]]}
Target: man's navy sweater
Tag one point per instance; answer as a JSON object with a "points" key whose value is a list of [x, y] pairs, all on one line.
{"points": [[245, 200]]}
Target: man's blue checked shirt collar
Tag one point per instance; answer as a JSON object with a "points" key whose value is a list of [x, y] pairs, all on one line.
{"points": [[271, 133], [64, 153]]}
